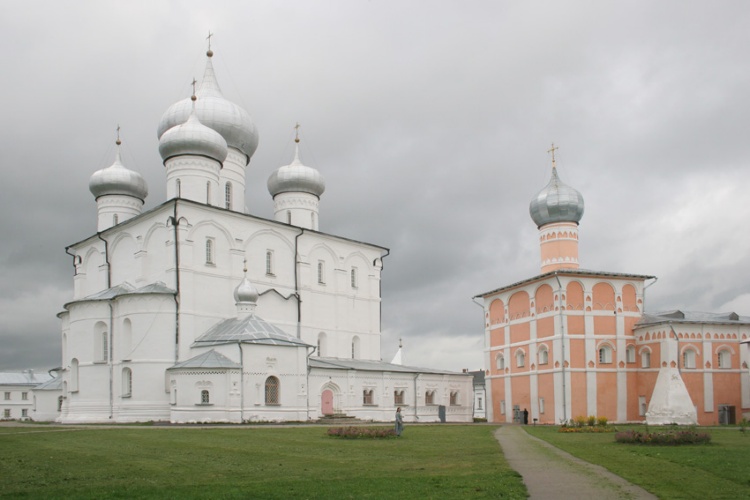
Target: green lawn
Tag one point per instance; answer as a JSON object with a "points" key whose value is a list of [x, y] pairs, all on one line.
{"points": [[717, 471], [252, 462]]}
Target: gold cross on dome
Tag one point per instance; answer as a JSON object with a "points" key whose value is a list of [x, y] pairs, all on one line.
{"points": [[209, 39], [296, 132], [552, 150], [193, 84]]}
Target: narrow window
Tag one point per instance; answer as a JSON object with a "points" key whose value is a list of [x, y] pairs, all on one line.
{"points": [[228, 195], [288, 217], [645, 359], [74, 375], [398, 397], [543, 356], [178, 188], [354, 277], [321, 272], [208, 193], [630, 354], [367, 397], [541, 405], [127, 382], [454, 398], [605, 354], [59, 403], [115, 220], [269, 263], [642, 407], [7, 396], [272, 391], [725, 359], [25, 396], [479, 403], [502, 407], [105, 346], [500, 362], [209, 251], [205, 397], [688, 358], [520, 359]]}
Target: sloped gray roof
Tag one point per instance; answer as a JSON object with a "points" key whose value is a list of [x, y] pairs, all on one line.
{"points": [[478, 378], [54, 384], [27, 377], [367, 365], [210, 359], [128, 289], [249, 330], [677, 316]]}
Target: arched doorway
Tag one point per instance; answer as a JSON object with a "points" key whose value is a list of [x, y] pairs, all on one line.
{"points": [[326, 402]]}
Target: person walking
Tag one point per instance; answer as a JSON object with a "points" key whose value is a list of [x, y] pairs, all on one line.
{"points": [[399, 422]]}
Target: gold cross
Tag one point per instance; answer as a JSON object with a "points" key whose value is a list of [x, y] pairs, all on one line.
{"points": [[193, 84], [296, 132], [209, 39], [118, 135], [552, 150]]}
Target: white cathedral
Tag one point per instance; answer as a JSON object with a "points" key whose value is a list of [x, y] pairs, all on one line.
{"points": [[195, 311]]}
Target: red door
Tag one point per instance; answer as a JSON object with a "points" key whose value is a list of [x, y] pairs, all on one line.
{"points": [[326, 402]]}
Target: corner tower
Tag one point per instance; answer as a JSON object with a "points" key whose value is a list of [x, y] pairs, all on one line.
{"points": [[556, 210]]}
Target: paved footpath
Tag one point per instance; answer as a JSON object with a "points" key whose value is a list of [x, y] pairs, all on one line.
{"points": [[550, 473]]}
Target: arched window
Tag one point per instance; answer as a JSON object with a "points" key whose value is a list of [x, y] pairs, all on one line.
{"points": [[321, 272], [178, 188], [322, 344], [520, 358], [269, 262], [500, 362], [454, 398], [272, 391], [126, 340], [354, 277], [543, 355], [208, 193], [367, 398], [101, 342], [429, 397], [288, 217], [127, 382], [205, 397], [630, 354], [74, 375], [688, 358], [605, 354], [209, 251], [398, 397], [725, 359], [228, 195], [645, 359], [355, 347]]}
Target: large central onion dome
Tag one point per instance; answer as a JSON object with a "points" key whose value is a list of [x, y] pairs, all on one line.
{"points": [[225, 117], [557, 202], [118, 179], [296, 178], [192, 138]]}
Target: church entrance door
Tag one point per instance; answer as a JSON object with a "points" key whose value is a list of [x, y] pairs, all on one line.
{"points": [[326, 402]]}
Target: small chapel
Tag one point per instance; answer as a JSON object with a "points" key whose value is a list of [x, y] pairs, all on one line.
{"points": [[196, 311], [572, 342]]}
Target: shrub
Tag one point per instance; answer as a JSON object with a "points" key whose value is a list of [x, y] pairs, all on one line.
{"points": [[579, 421], [591, 420], [601, 421], [670, 437], [352, 432]]}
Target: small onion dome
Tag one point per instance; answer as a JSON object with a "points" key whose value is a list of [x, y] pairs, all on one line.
{"points": [[296, 178], [557, 202], [192, 138], [245, 292], [117, 179], [228, 119]]}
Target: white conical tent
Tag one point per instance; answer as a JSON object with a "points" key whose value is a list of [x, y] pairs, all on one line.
{"points": [[670, 402]]}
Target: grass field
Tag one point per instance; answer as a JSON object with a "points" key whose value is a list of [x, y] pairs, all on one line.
{"points": [[719, 470], [252, 462]]}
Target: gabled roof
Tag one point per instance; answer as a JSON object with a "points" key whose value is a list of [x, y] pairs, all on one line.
{"points": [[367, 365], [566, 272], [210, 359], [692, 317], [54, 384], [249, 330]]}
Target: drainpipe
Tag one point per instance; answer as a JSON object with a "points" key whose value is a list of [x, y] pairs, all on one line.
{"points": [[562, 349], [176, 222], [242, 383], [308, 381], [678, 348], [296, 284], [416, 401], [380, 287], [111, 325], [644, 293]]}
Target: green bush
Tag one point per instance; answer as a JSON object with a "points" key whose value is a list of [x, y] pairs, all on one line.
{"points": [[670, 437], [361, 432], [602, 421]]}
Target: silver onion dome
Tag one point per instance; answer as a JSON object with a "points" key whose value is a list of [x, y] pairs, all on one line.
{"points": [[192, 138], [296, 178], [117, 179], [246, 292], [557, 202], [225, 117]]}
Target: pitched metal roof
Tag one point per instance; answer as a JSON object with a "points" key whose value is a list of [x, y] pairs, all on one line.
{"points": [[54, 384], [27, 377], [693, 317], [249, 330], [210, 359], [127, 289], [367, 365]]}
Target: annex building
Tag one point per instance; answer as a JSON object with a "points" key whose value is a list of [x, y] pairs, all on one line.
{"points": [[571, 342], [196, 311]]}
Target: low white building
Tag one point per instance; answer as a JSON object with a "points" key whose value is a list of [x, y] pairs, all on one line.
{"points": [[195, 311], [17, 391]]}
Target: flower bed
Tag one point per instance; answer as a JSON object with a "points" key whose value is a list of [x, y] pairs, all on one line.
{"points": [[673, 438], [361, 432], [586, 424]]}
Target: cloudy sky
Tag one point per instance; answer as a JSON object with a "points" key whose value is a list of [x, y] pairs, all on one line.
{"points": [[431, 123]]}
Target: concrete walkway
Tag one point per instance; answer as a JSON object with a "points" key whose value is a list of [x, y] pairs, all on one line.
{"points": [[550, 473]]}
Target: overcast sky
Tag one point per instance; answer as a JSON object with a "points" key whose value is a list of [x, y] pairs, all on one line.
{"points": [[430, 121]]}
